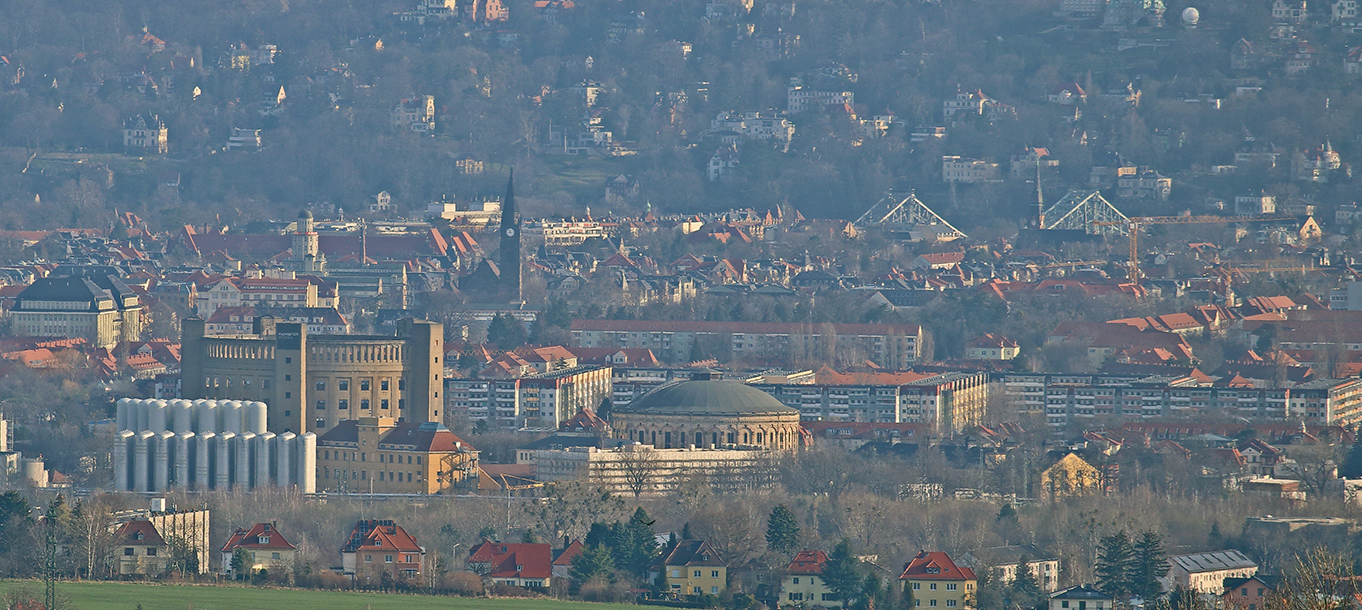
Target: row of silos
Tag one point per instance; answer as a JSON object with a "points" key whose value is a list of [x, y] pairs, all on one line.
{"points": [[151, 458], [197, 416]]}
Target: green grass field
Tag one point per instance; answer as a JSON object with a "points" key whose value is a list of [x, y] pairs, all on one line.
{"points": [[126, 596]]}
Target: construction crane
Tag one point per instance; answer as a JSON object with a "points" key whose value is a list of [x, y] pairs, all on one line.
{"points": [[1135, 223]]}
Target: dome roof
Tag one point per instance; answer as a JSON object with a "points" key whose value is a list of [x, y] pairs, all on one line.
{"points": [[707, 398], [305, 214]]}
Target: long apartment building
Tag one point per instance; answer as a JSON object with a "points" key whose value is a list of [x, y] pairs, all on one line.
{"points": [[313, 382], [946, 401], [1067, 399], [778, 344], [536, 401]]}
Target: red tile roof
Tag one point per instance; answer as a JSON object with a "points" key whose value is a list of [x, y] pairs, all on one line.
{"points": [[808, 562], [512, 560], [261, 536], [935, 566]]}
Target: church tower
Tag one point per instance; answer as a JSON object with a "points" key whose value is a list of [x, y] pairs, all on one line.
{"points": [[510, 243], [307, 257]]}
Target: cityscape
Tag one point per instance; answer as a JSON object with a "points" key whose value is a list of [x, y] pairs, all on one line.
{"points": [[741, 304]]}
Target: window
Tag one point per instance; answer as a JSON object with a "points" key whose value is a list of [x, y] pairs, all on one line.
{"points": [[364, 404], [1260, 591], [676, 573], [321, 385], [288, 361], [795, 580], [288, 377], [931, 603], [917, 602], [1064, 604], [343, 385], [1244, 591], [320, 423], [950, 586], [364, 385], [697, 573], [932, 586], [387, 559], [264, 384], [698, 590], [917, 585], [343, 404], [383, 404], [151, 552], [401, 384], [127, 552], [714, 590], [274, 555], [368, 559], [713, 573], [383, 385], [794, 597], [321, 405]]}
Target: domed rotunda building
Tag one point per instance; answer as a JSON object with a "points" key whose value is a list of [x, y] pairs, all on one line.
{"points": [[707, 411]]}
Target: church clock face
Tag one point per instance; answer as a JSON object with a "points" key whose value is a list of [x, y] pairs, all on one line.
{"points": [[510, 232]]}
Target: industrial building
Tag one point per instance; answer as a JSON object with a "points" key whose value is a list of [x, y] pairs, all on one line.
{"points": [[313, 382], [207, 444]]}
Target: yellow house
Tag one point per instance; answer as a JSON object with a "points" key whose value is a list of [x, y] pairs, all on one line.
{"points": [[1070, 476], [803, 583], [694, 568], [936, 582]]}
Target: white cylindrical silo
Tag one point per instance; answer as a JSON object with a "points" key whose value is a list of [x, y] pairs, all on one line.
{"points": [[161, 460], [120, 456], [231, 416], [203, 458], [140, 475], [307, 463], [184, 455], [140, 409], [182, 416], [223, 468], [245, 450], [121, 419], [284, 446], [264, 459], [256, 417], [156, 416], [205, 416]]}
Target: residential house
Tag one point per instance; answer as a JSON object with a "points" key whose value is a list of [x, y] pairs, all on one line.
{"points": [[694, 568], [144, 551], [936, 582], [723, 165], [528, 565], [1024, 165], [378, 546], [1248, 593], [974, 103], [1316, 164], [955, 168], [417, 114], [1300, 59], [1206, 572], [1081, 597], [1289, 11], [1144, 184], [264, 546], [991, 347], [801, 99], [146, 134], [1255, 204], [1071, 476], [803, 583]]}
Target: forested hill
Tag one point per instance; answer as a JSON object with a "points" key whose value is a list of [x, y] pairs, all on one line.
{"points": [[653, 75]]}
